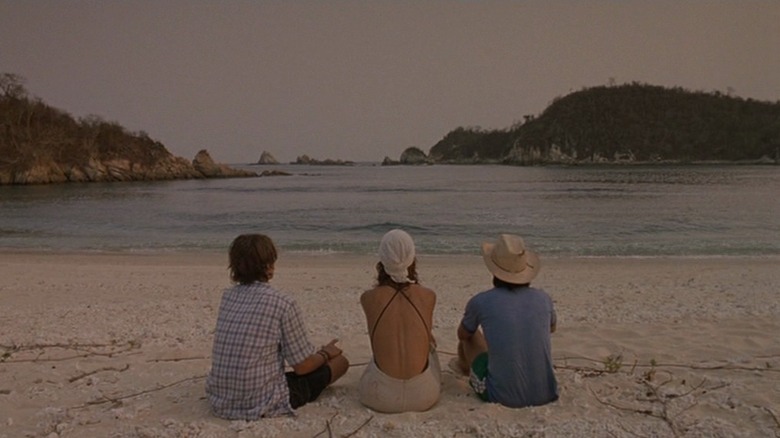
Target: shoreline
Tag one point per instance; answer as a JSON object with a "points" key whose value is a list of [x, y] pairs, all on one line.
{"points": [[118, 345], [178, 252]]}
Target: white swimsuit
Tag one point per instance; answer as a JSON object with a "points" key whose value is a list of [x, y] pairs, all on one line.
{"points": [[384, 393]]}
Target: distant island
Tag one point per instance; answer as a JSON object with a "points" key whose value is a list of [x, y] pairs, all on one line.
{"points": [[268, 158], [632, 123], [41, 145]]}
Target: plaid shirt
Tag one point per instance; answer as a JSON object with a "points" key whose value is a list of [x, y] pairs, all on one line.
{"points": [[258, 329]]}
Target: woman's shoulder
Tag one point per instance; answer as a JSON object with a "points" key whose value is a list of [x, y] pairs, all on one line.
{"points": [[426, 288], [375, 293], [420, 289]]}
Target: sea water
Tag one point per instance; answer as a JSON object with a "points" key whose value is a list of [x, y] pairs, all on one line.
{"points": [[703, 210]]}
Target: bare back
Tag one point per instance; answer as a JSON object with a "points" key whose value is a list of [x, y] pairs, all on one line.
{"points": [[399, 324]]}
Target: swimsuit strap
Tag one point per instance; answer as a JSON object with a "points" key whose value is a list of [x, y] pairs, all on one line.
{"points": [[416, 310], [397, 291], [376, 322]]}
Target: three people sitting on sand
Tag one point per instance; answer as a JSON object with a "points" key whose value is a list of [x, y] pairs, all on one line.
{"points": [[260, 331]]}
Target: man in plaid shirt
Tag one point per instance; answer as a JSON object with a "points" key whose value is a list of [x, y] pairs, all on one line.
{"points": [[259, 330]]}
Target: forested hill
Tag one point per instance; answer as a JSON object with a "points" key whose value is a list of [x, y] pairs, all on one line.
{"points": [[40, 144], [627, 123]]}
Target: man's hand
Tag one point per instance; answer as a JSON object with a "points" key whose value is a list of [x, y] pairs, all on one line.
{"points": [[331, 349]]}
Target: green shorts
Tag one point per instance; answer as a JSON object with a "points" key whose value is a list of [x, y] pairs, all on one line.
{"points": [[478, 376]]}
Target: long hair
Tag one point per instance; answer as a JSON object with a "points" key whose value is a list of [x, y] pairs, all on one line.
{"points": [[384, 279], [499, 283], [251, 257]]}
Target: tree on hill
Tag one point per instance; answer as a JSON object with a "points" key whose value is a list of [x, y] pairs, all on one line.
{"points": [[471, 144]]}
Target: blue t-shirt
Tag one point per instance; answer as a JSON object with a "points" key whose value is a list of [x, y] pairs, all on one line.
{"points": [[516, 324]]}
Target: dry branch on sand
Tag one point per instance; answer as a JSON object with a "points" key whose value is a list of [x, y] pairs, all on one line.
{"points": [[111, 349]]}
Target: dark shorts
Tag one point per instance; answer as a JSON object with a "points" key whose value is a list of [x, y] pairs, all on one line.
{"points": [[478, 376], [306, 388]]}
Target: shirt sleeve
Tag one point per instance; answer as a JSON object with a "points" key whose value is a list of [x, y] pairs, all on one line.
{"points": [[295, 344], [470, 320], [553, 316]]}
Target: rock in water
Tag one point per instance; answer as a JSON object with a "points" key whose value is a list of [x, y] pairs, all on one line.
{"points": [[267, 158]]}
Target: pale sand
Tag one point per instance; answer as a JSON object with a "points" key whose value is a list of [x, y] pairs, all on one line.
{"points": [[118, 346]]}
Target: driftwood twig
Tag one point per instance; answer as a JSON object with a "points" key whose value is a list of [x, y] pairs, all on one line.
{"points": [[359, 427], [87, 349], [87, 374], [327, 426], [117, 400], [672, 365], [180, 359]]}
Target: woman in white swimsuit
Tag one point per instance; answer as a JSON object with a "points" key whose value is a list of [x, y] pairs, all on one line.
{"points": [[404, 373]]}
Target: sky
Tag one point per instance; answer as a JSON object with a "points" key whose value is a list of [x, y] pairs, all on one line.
{"points": [[362, 80]]}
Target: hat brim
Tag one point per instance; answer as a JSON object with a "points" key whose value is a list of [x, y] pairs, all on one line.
{"points": [[533, 265]]}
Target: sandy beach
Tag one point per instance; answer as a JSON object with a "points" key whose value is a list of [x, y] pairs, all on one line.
{"points": [[118, 345]]}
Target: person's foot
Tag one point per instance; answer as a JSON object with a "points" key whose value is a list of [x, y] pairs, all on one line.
{"points": [[458, 367]]}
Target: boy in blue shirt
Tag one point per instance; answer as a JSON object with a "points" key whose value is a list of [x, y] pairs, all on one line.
{"points": [[504, 337]]}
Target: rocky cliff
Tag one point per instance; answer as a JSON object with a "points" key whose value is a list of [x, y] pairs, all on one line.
{"points": [[94, 169], [206, 166]]}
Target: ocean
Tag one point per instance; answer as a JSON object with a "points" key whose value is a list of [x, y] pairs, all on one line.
{"points": [[599, 211]]}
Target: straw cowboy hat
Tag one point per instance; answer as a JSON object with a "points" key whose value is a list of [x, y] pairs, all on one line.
{"points": [[509, 260]]}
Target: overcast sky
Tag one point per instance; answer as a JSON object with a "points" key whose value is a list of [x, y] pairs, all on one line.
{"points": [[361, 80]]}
